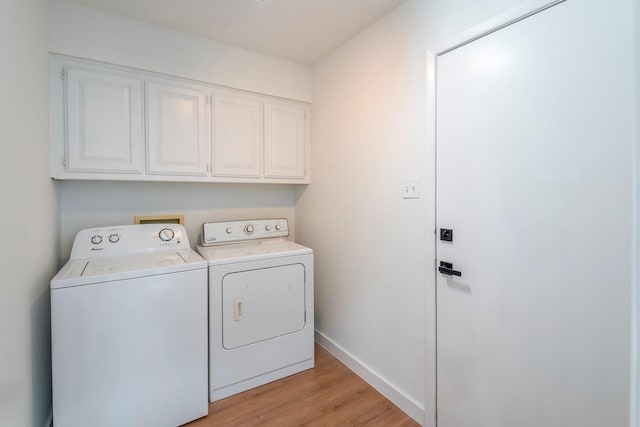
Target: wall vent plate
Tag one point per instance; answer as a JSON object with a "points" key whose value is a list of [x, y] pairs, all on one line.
{"points": [[159, 219]]}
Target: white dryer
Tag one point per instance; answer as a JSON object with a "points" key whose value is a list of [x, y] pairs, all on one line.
{"points": [[260, 304], [129, 329]]}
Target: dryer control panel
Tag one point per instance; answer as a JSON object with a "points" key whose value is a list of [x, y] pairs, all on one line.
{"points": [[217, 233], [122, 240]]}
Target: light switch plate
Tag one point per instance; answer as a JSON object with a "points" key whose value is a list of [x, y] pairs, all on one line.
{"points": [[411, 188]]}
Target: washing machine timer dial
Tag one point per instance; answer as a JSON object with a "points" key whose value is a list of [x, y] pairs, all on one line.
{"points": [[96, 240], [166, 234], [248, 228]]}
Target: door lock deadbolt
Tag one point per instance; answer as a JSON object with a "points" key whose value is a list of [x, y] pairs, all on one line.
{"points": [[446, 235]]}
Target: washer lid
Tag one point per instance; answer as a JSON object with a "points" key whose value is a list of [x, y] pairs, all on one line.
{"points": [[242, 252], [88, 271]]}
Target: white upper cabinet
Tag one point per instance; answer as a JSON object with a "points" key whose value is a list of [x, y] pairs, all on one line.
{"points": [[103, 111], [237, 135], [286, 140], [115, 123], [178, 126]]}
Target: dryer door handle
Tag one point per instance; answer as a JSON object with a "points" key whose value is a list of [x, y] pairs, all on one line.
{"points": [[237, 309]]}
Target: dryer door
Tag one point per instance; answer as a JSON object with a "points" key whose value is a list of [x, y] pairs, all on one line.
{"points": [[261, 304]]}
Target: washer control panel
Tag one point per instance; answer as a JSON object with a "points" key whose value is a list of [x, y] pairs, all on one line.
{"points": [[120, 240], [216, 233]]}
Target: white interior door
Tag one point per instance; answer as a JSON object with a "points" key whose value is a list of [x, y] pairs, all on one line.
{"points": [[534, 174]]}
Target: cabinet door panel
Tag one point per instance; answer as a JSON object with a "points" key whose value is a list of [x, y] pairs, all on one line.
{"points": [[285, 140], [104, 121], [237, 135], [177, 129]]}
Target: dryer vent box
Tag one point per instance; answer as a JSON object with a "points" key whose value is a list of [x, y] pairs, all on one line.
{"points": [[159, 219]]}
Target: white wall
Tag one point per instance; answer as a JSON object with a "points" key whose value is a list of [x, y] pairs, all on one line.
{"points": [[635, 304], [374, 250], [86, 204], [88, 33], [448, 18], [28, 218], [371, 245]]}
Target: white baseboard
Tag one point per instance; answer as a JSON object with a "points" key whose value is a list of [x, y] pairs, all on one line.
{"points": [[401, 400]]}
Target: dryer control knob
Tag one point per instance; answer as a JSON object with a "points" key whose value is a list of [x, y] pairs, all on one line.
{"points": [[278, 227], [114, 238], [96, 240], [166, 234], [268, 228], [248, 228], [229, 230]]}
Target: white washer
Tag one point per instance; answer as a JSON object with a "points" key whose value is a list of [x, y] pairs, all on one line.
{"points": [[260, 304], [129, 329]]}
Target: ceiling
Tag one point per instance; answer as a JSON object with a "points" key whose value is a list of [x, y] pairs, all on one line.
{"points": [[303, 31]]}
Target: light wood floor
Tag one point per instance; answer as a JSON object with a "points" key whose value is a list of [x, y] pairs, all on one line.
{"points": [[328, 395]]}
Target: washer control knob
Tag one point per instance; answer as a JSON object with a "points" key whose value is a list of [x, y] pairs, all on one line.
{"points": [[229, 230], [268, 228], [278, 227], [114, 238], [248, 228], [166, 234], [96, 240]]}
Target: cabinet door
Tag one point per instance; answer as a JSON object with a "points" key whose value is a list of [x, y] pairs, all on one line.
{"points": [[237, 135], [104, 121], [178, 129], [286, 136]]}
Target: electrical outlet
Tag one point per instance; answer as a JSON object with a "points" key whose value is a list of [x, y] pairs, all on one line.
{"points": [[411, 188]]}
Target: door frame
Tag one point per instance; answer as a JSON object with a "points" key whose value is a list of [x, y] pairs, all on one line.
{"points": [[509, 17]]}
